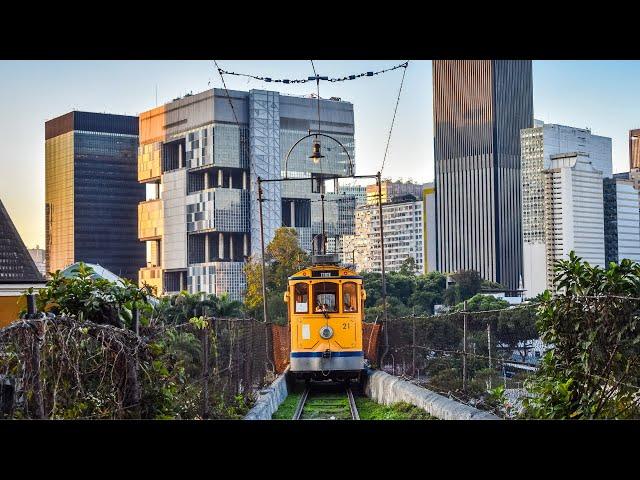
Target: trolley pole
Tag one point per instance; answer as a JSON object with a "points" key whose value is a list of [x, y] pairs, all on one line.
{"points": [[324, 238], [464, 346], [264, 283]]}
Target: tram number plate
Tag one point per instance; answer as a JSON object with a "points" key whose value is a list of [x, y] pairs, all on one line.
{"points": [[345, 326], [306, 331]]}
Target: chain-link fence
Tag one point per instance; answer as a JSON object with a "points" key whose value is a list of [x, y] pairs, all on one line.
{"points": [[65, 368], [464, 355]]}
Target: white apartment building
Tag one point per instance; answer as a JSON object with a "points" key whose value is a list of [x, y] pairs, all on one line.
{"points": [[621, 219], [573, 211], [538, 145], [403, 237]]}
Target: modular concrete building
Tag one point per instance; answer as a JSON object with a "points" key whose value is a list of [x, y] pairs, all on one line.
{"points": [[200, 157]]}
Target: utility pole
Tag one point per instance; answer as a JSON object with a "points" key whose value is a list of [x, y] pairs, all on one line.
{"points": [[384, 279], [264, 288], [464, 346]]}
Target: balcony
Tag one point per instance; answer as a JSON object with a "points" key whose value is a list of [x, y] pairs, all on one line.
{"points": [[150, 220], [151, 276], [218, 209]]}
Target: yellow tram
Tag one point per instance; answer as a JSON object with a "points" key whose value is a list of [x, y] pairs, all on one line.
{"points": [[325, 305]]}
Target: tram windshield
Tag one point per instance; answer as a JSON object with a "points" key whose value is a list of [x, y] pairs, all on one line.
{"points": [[324, 297], [301, 294], [349, 298]]}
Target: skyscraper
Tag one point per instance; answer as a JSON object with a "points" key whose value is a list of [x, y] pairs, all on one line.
{"points": [[92, 192], [538, 144], [479, 109], [200, 159]]}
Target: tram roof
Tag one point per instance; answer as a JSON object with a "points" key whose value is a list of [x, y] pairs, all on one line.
{"points": [[312, 272]]}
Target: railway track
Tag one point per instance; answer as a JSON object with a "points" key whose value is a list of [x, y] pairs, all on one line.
{"points": [[326, 402]]}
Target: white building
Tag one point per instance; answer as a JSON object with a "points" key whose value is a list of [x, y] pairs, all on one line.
{"points": [[621, 219], [38, 255], [403, 237], [573, 211], [538, 144]]}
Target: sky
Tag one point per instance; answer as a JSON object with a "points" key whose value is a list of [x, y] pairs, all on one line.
{"points": [[600, 95]]}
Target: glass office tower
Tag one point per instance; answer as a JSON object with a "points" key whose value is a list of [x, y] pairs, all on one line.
{"points": [[92, 192], [479, 108]]}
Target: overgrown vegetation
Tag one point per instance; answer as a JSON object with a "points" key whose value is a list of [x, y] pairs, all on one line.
{"points": [[370, 410], [593, 367], [82, 360]]}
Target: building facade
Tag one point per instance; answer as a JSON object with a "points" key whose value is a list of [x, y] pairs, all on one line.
{"points": [[357, 191], [200, 157], [538, 144], [393, 191], [39, 257], [403, 237], [92, 192], [574, 213], [621, 219], [429, 228], [479, 109]]}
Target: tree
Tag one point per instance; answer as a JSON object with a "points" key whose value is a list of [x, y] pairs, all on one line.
{"points": [[429, 291], [592, 326], [408, 267], [94, 299], [480, 303], [283, 257], [468, 283]]}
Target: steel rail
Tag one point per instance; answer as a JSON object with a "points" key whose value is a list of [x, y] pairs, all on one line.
{"points": [[352, 405], [303, 399]]}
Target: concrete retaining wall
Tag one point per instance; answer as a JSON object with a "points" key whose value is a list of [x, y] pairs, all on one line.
{"points": [[269, 400], [387, 389]]}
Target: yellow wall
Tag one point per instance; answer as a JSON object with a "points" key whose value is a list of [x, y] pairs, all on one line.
{"points": [[150, 219], [9, 308]]}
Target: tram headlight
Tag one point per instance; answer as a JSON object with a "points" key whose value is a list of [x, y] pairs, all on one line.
{"points": [[326, 332]]}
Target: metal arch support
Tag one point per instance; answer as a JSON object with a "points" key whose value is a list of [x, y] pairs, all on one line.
{"points": [[286, 160]]}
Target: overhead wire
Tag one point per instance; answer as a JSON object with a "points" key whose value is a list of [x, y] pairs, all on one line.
{"points": [[395, 111]]}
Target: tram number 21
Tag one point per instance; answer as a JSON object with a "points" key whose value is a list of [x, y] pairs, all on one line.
{"points": [[345, 326]]}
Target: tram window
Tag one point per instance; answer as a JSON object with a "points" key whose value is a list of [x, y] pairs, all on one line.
{"points": [[349, 298], [325, 295], [301, 294]]}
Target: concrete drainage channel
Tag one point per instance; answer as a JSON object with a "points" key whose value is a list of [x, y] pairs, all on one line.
{"points": [[383, 388]]}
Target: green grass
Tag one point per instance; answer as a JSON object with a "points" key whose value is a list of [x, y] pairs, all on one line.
{"points": [[367, 408], [370, 410], [287, 408]]}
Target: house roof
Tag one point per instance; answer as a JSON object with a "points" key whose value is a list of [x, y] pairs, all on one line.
{"points": [[16, 265]]}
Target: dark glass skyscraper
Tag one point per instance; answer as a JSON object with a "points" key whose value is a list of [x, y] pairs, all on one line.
{"points": [[92, 192], [479, 108]]}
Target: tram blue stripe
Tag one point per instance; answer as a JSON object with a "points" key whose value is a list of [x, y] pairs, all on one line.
{"points": [[319, 354]]}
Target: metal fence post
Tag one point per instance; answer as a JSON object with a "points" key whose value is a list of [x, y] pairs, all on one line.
{"points": [[489, 341], [464, 346], [413, 341], [205, 369]]}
